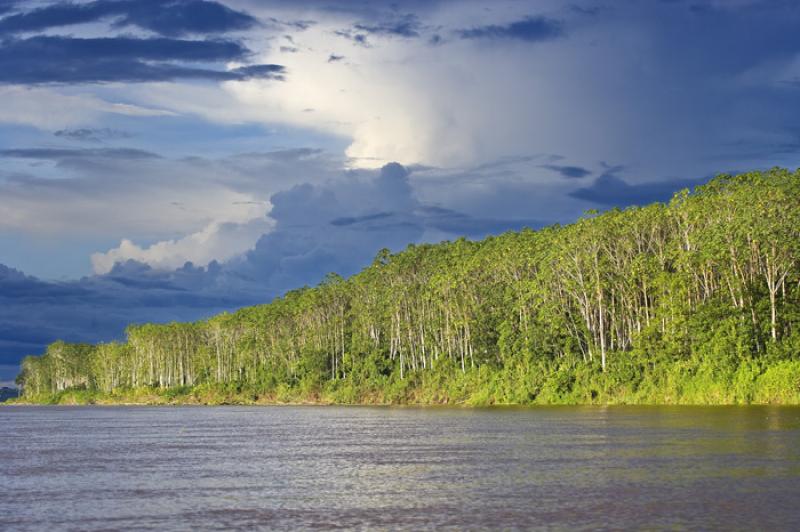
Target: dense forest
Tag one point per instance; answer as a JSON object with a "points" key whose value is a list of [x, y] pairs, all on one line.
{"points": [[693, 301]]}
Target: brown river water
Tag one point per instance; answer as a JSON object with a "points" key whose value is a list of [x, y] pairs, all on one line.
{"points": [[242, 468]]}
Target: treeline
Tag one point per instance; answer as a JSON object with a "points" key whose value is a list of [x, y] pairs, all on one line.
{"points": [[697, 300]]}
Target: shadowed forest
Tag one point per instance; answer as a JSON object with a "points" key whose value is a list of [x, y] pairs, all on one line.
{"points": [[692, 302]]}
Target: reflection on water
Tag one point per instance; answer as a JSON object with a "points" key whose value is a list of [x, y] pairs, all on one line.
{"points": [[184, 468]]}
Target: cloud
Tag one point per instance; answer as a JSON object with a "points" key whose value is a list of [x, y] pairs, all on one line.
{"points": [[351, 220], [311, 238], [49, 109], [85, 134], [299, 25], [591, 97], [108, 193], [6, 6], [164, 17], [430, 104], [570, 172], [275, 72], [407, 26], [591, 11], [64, 154], [357, 38], [610, 190], [215, 242], [34, 312], [458, 224], [338, 226], [15, 285], [55, 59], [529, 29]]}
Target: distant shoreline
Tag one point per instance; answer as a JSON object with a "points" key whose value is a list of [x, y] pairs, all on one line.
{"points": [[155, 398]]}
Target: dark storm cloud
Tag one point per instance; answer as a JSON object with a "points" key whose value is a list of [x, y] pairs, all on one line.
{"points": [[34, 312], [571, 172], [529, 29], [14, 285], [21, 335], [54, 59], [11, 353], [460, 224], [341, 225], [332, 227], [165, 17], [448, 221], [612, 191]]}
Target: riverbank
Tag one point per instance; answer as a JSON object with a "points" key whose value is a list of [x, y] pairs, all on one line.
{"points": [[779, 385]]}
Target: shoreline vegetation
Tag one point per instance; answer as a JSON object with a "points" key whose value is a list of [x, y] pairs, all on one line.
{"points": [[770, 394], [695, 301]]}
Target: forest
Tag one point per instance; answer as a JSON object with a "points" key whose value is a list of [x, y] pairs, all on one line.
{"points": [[694, 301]]}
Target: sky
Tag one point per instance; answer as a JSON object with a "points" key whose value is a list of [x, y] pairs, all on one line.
{"points": [[167, 160]]}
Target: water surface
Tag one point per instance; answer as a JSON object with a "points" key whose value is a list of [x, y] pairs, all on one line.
{"points": [[188, 468]]}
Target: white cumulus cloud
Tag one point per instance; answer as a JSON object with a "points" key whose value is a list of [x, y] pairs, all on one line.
{"points": [[217, 241]]}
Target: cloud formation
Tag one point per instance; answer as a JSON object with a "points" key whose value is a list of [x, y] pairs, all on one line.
{"points": [[570, 172], [85, 134], [164, 17], [34, 312], [215, 242], [611, 191], [124, 192], [407, 26], [48, 108], [66, 154], [56, 59], [528, 29]]}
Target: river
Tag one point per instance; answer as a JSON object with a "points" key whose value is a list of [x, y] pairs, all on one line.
{"points": [[242, 468]]}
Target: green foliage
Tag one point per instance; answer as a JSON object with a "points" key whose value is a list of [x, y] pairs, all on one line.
{"points": [[779, 383], [695, 301]]}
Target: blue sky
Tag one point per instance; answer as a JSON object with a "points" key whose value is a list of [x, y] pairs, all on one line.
{"points": [[166, 160]]}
